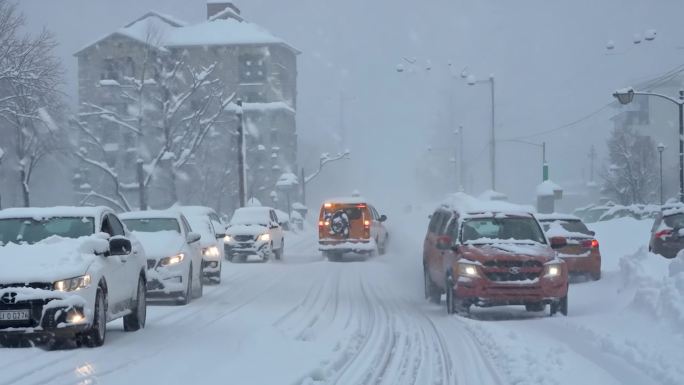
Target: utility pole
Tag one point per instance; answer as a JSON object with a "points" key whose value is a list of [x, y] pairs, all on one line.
{"points": [[241, 156], [141, 184], [592, 158], [493, 144], [303, 184], [545, 165]]}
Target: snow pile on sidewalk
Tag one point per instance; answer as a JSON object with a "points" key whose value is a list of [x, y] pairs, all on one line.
{"points": [[658, 284]]}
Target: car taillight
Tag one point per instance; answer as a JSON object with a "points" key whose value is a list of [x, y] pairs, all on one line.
{"points": [[663, 233], [591, 243], [366, 223], [320, 223]]}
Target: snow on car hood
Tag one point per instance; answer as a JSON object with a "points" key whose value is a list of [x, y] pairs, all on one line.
{"points": [[51, 259], [484, 252], [160, 244], [246, 230]]}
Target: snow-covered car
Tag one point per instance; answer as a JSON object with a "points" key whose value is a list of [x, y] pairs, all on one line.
{"points": [[174, 259], [667, 233], [211, 244], [582, 253], [254, 231], [486, 257], [66, 272], [351, 225], [216, 221]]}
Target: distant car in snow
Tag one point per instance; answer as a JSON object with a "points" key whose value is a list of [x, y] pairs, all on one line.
{"points": [[174, 259], [211, 242], [491, 257], [582, 253], [66, 272], [667, 233], [351, 225], [254, 231]]}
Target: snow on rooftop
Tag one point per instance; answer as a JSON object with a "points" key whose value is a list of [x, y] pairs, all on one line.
{"points": [[221, 32], [547, 188], [288, 179]]}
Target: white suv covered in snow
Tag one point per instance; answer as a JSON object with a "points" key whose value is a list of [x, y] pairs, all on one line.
{"points": [[254, 231], [66, 272], [174, 259]]}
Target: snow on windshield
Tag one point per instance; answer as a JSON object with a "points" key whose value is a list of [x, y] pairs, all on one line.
{"points": [[32, 230], [152, 224], [501, 230], [251, 216]]}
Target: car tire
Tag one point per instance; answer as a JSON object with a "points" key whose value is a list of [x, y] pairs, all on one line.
{"points": [[200, 290], [432, 292], [563, 305], [187, 297], [97, 333], [596, 276], [136, 320], [536, 306]]}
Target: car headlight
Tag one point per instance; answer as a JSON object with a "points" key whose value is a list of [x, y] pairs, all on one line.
{"points": [[174, 260], [467, 270], [211, 251], [265, 237], [228, 239], [72, 284], [553, 270]]}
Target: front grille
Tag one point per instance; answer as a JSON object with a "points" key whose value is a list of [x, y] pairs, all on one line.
{"points": [[243, 238], [151, 263], [512, 270], [36, 309], [32, 285]]}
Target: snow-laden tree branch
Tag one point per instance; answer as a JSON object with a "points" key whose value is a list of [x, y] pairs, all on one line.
{"points": [[325, 159]]}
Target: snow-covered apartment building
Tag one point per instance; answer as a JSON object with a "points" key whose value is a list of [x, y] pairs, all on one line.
{"points": [[246, 60]]}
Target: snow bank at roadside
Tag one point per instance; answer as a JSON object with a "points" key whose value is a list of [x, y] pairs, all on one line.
{"points": [[658, 285]]}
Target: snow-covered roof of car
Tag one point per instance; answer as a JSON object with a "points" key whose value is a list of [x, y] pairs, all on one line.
{"points": [[195, 210], [470, 206], [50, 212], [557, 217], [347, 200], [150, 214]]}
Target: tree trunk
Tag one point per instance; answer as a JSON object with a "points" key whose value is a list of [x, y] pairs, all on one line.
{"points": [[25, 188]]}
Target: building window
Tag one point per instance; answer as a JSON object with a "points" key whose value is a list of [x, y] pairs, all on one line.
{"points": [[252, 68]]}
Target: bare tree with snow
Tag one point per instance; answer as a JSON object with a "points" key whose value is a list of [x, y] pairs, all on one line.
{"points": [[29, 79], [631, 174]]}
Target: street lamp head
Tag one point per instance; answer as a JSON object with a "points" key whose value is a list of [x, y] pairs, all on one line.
{"points": [[661, 147], [625, 95], [471, 80], [400, 68]]}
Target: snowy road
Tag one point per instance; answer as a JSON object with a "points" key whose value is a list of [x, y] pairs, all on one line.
{"points": [[309, 321]]}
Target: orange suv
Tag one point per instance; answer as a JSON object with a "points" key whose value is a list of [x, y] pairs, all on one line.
{"points": [[351, 225], [490, 258]]}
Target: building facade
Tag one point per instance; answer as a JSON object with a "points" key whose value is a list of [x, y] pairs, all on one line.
{"points": [[129, 78]]}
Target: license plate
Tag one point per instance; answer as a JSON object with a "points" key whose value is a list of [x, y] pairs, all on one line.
{"points": [[15, 315]]}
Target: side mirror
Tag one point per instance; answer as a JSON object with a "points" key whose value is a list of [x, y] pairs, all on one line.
{"points": [[193, 237], [119, 246], [558, 242], [444, 242], [383, 218], [592, 233], [220, 235]]}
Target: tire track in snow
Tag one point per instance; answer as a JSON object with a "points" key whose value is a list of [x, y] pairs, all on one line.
{"points": [[159, 348]]}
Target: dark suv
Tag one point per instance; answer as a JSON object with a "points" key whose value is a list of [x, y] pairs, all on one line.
{"points": [[667, 234], [489, 258]]}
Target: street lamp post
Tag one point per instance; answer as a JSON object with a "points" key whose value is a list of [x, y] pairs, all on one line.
{"points": [[661, 148], [242, 194], [492, 146], [2, 155], [625, 96]]}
